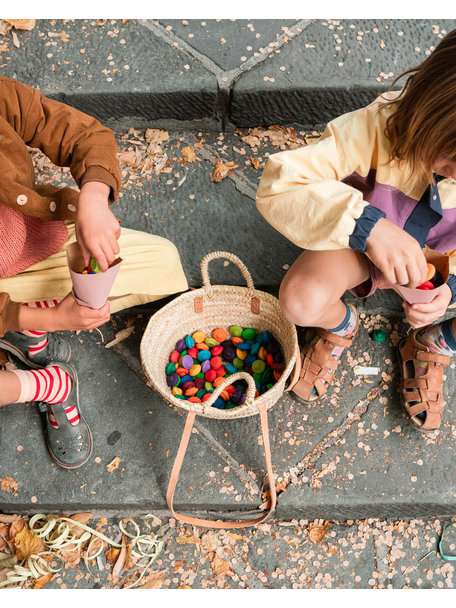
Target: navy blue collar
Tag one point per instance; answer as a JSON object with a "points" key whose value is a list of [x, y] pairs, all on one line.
{"points": [[426, 214]]}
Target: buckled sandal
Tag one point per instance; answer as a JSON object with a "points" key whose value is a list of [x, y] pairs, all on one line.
{"points": [[70, 445], [317, 364], [421, 394], [57, 348]]}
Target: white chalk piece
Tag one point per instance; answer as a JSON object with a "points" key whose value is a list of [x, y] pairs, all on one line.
{"points": [[366, 371]]}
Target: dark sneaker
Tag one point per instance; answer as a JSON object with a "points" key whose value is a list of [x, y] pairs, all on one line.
{"points": [[57, 349], [70, 445]]}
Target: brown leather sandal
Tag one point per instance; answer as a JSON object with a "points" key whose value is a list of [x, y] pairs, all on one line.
{"points": [[318, 365], [421, 393]]}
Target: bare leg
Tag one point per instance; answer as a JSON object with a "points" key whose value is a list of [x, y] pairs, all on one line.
{"points": [[311, 290], [10, 388]]}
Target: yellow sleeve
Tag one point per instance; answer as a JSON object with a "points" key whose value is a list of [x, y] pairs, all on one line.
{"points": [[301, 194]]}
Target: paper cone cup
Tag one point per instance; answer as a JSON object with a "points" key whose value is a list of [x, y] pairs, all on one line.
{"points": [[422, 296], [90, 289]]}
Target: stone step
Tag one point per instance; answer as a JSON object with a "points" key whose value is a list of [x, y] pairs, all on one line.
{"points": [[219, 74], [352, 454]]}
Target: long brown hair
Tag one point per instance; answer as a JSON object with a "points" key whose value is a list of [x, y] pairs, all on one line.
{"points": [[422, 126]]}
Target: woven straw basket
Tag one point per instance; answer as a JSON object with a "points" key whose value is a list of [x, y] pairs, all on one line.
{"points": [[205, 309]]}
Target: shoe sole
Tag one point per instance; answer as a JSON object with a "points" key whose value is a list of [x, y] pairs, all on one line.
{"points": [[65, 465], [20, 355]]}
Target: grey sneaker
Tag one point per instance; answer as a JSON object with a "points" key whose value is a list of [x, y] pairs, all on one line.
{"points": [[70, 445], [57, 349]]}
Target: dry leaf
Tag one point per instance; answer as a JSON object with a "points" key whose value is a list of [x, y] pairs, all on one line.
{"points": [[120, 560], [16, 527], [21, 24], [81, 518], [7, 484], [71, 557], [112, 554], [154, 581], [39, 583], [317, 533], [187, 540], [16, 42], [121, 335], [113, 465], [236, 536], [5, 27], [222, 170], [210, 540], [129, 158], [7, 560], [8, 519], [255, 162], [220, 567], [28, 544], [188, 154], [156, 136]]}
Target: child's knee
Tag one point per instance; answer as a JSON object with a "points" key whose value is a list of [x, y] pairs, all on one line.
{"points": [[305, 302]]}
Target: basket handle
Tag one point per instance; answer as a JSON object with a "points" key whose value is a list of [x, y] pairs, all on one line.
{"points": [[296, 373], [226, 382], [177, 467], [232, 258]]}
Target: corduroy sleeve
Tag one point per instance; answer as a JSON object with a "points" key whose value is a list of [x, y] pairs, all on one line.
{"points": [[9, 314], [67, 136], [301, 193]]}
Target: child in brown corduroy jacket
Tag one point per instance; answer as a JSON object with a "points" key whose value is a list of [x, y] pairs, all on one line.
{"points": [[36, 222]]}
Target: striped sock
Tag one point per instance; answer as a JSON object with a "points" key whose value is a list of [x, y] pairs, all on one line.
{"points": [[41, 345], [52, 385]]}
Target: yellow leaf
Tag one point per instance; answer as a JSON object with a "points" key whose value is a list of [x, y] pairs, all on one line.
{"points": [[156, 136], [185, 587], [317, 533], [187, 540], [112, 554], [39, 583], [113, 465], [22, 24], [28, 544]]}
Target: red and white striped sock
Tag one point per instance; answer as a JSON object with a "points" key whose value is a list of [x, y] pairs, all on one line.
{"points": [[52, 385], [37, 348]]}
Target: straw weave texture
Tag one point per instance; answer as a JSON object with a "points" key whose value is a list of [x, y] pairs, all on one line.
{"points": [[223, 305]]}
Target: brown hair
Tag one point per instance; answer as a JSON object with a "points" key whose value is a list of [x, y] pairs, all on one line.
{"points": [[422, 126]]}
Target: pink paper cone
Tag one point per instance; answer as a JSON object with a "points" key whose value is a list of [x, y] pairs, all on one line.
{"points": [[422, 296], [90, 289]]}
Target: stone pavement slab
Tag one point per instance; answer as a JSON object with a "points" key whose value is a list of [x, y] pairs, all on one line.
{"points": [[348, 455], [223, 74]]}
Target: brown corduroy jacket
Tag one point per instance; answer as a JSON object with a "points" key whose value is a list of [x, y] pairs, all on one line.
{"points": [[69, 138]]}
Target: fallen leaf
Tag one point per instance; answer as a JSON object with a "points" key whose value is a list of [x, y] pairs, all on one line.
{"points": [[7, 484], [187, 540], [220, 567], [16, 42], [16, 527], [22, 24], [7, 560], [210, 540], [118, 566], [236, 536], [154, 581], [222, 170], [39, 583], [112, 554], [255, 162], [71, 557], [28, 544], [81, 518], [156, 136], [113, 465], [120, 336], [129, 158], [317, 533], [188, 154], [8, 519], [185, 587]]}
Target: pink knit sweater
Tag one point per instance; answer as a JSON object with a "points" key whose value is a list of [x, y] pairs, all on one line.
{"points": [[26, 240]]}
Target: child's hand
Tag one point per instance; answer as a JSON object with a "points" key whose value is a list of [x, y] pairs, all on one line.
{"points": [[419, 315], [397, 254], [97, 229], [71, 316]]}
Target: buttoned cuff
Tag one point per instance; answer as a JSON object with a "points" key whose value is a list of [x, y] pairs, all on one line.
{"points": [[363, 227], [95, 173], [451, 282]]}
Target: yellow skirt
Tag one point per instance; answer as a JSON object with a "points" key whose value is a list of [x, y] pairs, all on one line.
{"points": [[151, 269]]}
